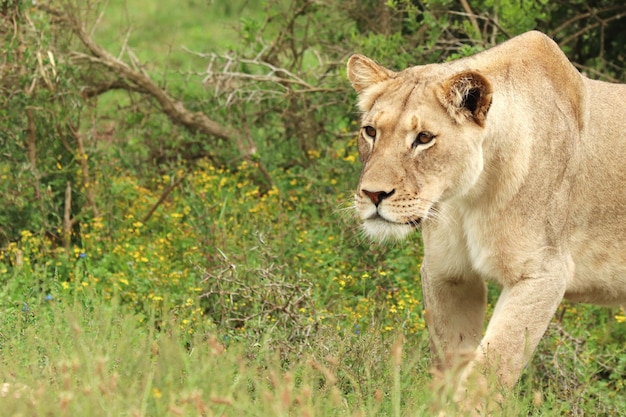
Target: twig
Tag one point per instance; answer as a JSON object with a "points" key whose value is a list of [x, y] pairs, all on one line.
{"points": [[164, 195], [68, 222], [84, 168], [596, 72], [288, 82], [230, 60], [105, 6], [472, 17], [97, 89], [31, 143], [491, 20], [581, 16], [174, 109], [589, 27]]}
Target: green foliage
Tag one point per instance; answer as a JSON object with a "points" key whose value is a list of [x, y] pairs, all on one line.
{"points": [[101, 360], [40, 111], [172, 247]]}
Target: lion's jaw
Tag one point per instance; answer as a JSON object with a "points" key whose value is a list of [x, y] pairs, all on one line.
{"points": [[377, 228], [382, 224]]}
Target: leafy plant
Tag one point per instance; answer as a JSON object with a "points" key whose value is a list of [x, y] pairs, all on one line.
{"points": [[137, 244]]}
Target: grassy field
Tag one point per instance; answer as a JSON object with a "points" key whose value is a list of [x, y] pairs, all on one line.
{"points": [[229, 301], [158, 31]]}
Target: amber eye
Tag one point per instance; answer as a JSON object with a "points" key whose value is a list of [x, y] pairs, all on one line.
{"points": [[423, 138], [370, 131]]}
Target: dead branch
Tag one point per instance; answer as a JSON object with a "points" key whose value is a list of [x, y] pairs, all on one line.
{"points": [[299, 9], [601, 22], [174, 109], [489, 20], [31, 142], [596, 73], [68, 222], [138, 80], [220, 74], [98, 89], [164, 195], [581, 16], [471, 16], [82, 156]]}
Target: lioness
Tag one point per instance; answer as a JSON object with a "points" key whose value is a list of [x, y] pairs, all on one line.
{"points": [[514, 166]]}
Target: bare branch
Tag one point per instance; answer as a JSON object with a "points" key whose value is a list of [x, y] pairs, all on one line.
{"points": [[82, 156], [471, 16], [164, 195], [590, 27], [597, 73], [493, 21], [581, 16], [97, 89], [31, 143], [221, 75], [174, 109], [138, 80], [68, 222]]}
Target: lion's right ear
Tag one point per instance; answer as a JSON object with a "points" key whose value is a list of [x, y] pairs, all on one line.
{"points": [[467, 95], [363, 72]]}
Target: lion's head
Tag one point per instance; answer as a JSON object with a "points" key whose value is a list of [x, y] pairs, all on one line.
{"points": [[420, 141]]}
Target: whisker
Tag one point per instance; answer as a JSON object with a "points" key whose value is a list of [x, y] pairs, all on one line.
{"points": [[442, 216]]}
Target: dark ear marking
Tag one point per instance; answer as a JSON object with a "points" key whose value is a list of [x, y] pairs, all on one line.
{"points": [[467, 95], [471, 100]]}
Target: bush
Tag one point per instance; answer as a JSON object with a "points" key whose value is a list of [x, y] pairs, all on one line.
{"points": [[117, 193]]}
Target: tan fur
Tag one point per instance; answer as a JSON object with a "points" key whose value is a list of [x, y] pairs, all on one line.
{"points": [[524, 184]]}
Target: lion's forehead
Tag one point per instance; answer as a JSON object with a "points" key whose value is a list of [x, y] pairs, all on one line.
{"points": [[398, 92], [388, 120], [411, 110]]}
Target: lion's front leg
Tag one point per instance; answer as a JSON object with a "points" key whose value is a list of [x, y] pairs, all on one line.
{"points": [[455, 314], [455, 311], [520, 319]]}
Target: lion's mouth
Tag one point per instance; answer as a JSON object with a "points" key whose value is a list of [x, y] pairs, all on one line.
{"points": [[411, 222], [383, 229], [414, 222]]}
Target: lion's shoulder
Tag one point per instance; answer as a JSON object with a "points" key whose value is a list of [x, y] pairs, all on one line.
{"points": [[531, 71], [531, 56]]}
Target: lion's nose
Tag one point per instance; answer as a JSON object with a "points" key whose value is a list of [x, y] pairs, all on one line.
{"points": [[378, 196]]}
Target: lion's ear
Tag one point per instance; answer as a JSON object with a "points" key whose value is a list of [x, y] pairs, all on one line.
{"points": [[363, 72], [467, 95]]}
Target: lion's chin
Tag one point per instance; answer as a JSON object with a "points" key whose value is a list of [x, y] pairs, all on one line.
{"points": [[382, 230]]}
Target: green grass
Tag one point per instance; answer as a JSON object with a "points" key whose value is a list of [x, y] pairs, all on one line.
{"points": [[227, 303], [90, 357], [230, 301], [157, 31], [99, 359]]}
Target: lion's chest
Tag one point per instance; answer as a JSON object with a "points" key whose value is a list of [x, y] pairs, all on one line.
{"points": [[467, 242], [484, 247]]}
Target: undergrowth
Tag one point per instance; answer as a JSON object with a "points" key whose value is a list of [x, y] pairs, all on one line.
{"points": [[148, 270]]}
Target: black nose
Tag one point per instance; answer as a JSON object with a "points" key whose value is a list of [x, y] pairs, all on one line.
{"points": [[378, 196]]}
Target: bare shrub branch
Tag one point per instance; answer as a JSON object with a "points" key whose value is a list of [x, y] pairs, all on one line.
{"points": [[101, 88], [237, 85], [82, 156], [471, 16], [582, 16], [174, 109], [599, 22], [134, 78]]}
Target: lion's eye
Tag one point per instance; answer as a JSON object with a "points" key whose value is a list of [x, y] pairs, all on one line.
{"points": [[370, 131], [423, 138]]}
